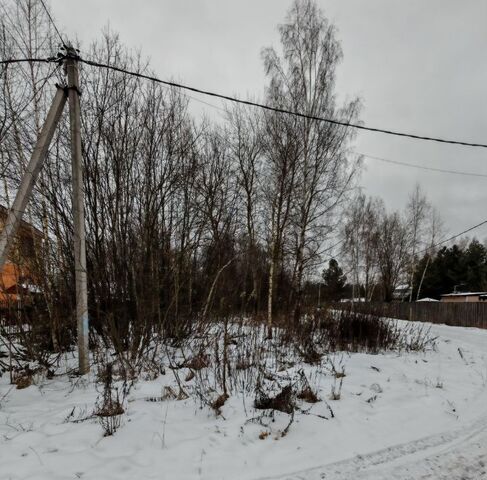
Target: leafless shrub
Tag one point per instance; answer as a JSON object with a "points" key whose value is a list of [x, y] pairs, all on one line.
{"points": [[351, 330], [197, 362], [306, 393], [418, 338], [168, 393], [334, 367], [23, 379], [336, 392], [347, 330], [308, 340], [109, 409], [284, 401], [26, 349], [218, 403], [78, 415]]}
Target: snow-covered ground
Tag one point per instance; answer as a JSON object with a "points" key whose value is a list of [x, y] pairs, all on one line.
{"points": [[407, 416]]}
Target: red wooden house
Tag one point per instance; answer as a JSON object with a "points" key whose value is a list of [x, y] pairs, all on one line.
{"points": [[17, 281]]}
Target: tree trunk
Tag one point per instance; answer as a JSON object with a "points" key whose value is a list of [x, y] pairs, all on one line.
{"points": [[270, 295]]}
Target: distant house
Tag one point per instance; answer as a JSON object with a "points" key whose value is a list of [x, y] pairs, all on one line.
{"points": [[401, 293], [465, 297], [426, 299], [16, 278]]}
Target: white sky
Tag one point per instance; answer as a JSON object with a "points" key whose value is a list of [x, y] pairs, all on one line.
{"points": [[418, 66]]}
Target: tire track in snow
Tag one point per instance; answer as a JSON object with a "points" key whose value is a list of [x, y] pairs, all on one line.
{"points": [[441, 454]]}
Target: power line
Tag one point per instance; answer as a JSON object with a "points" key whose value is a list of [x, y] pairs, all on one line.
{"points": [[422, 167], [205, 103], [53, 24], [190, 97], [452, 237], [282, 110], [255, 104]]}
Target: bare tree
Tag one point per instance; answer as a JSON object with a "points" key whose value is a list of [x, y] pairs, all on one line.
{"points": [[26, 32], [434, 233], [416, 213], [245, 132], [392, 251], [181, 216], [359, 240], [311, 157]]}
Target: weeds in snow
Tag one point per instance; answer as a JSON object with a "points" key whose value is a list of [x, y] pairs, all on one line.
{"points": [[109, 409], [220, 358]]}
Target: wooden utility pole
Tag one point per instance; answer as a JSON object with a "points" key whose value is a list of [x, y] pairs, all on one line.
{"points": [[78, 211], [27, 184]]}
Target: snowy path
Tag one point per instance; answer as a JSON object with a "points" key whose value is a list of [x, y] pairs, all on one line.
{"points": [[459, 454]]}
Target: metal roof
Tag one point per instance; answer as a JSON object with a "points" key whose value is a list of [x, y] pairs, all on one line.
{"points": [[464, 294]]}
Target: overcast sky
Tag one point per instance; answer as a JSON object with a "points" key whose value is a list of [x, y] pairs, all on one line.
{"points": [[418, 66]]}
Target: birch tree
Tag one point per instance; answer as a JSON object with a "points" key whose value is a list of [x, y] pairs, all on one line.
{"points": [[416, 214], [359, 236], [313, 172]]}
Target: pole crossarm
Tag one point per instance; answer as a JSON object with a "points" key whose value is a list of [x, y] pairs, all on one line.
{"points": [[28, 181]]}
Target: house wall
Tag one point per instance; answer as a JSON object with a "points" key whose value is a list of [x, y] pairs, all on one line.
{"points": [[461, 299], [21, 255]]}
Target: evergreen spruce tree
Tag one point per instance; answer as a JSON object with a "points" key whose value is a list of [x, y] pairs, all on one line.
{"points": [[334, 281]]}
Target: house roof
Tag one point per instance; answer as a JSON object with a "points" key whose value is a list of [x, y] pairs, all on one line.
{"points": [[426, 299], [25, 226], [464, 294]]}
